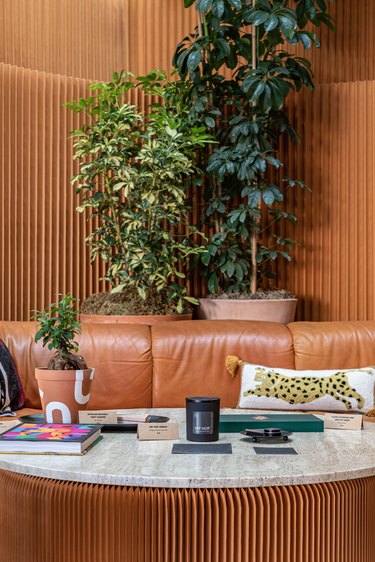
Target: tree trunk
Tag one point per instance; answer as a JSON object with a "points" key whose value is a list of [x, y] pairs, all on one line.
{"points": [[254, 233]]}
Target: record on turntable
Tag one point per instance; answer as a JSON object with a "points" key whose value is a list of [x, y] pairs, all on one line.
{"points": [[258, 435]]}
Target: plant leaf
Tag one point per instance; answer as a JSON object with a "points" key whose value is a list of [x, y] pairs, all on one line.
{"points": [[194, 59], [259, 17], [237, 4], [218, 8], [204, 5], [210, 122], [213, 283]]}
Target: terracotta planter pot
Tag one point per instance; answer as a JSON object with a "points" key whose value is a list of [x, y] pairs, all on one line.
{"points": [[63, 393], [148, 319], [271, 310]]}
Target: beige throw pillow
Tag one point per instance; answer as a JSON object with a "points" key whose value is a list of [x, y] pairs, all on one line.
{"points": [[348, 390]]}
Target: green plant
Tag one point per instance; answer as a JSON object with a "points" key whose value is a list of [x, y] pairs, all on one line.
{"points": [[134, 173], [58, 327], [240, 75]]}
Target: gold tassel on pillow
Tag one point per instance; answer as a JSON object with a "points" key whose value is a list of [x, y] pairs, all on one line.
{"points": [[232, 363]]}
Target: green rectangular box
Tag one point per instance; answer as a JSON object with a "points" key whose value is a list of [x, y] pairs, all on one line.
{"points": [[234, 423]]}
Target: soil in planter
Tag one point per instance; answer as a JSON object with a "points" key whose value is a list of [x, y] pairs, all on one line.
{"points": [[128, 303], [67, 362], [274, 294]]}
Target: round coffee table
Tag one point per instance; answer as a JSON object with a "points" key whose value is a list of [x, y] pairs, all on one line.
{"points": [[133, 501]]}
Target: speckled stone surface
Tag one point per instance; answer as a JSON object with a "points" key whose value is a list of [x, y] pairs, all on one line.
{"points": [[120, 459]]}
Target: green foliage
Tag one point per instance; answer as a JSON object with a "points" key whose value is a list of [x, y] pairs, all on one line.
{"points": [[134, 174], [58, 326], [245, 112]]}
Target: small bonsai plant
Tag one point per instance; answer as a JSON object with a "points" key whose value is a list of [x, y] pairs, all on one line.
{"points": [[135, 170], [241, 70], [58, 327]]}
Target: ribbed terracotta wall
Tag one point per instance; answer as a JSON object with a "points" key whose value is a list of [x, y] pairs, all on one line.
{"points": [[348, 54], [334, 268], [50, 521], [92, 38], [41, 236], [50, 50]]}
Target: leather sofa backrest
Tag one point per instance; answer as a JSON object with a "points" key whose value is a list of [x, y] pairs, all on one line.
{"points": [[121, 355], [333, 345], [189, 357], [137, 366]]}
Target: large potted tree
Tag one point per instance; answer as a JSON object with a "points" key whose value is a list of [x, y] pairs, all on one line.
{"points": [[134, 172], [64, 385], [240, 72]]}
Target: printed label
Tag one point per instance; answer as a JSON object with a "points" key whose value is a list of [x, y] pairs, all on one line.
{"points": [[6, 425], [203, 423], [343, 421], [158, 431], [98, 416]]}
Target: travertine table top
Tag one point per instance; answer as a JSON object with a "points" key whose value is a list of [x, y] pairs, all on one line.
{"points": [[120, 459]]}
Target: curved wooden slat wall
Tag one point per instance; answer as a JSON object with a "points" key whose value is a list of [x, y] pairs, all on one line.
{"points": [[334, 268], [48, 520], [49, 52], [41, 235]]}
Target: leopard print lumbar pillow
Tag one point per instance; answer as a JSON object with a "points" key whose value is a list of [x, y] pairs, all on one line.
{"points": [[284, 389]]}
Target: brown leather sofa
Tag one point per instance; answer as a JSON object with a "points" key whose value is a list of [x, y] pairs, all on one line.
{"points": [[141, 366]]}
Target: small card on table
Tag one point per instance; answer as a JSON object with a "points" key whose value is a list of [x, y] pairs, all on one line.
{"points": [[98, 416], [158, 431], [5, 425], [113, 417], [343, 421]]}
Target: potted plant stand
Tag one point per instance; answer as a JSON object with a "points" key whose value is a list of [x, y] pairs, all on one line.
{"points": [[270, 310]]}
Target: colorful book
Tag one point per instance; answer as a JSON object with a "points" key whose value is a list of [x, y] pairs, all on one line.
{"points": [[43, 438]]}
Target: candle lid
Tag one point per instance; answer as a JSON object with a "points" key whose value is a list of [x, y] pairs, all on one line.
{"points": [[202, 399]]}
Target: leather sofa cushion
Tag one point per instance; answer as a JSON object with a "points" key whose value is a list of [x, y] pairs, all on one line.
{"points": [[189, 357], [333, 345], [121, 355]]}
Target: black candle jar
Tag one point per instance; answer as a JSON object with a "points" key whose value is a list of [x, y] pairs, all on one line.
{"points": [[202, 418]]}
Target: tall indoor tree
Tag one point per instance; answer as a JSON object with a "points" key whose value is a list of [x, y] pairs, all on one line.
{"points": [[241, 70], [133, 171]]}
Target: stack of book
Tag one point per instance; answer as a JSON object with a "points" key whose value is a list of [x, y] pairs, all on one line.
{"points": [[44, 438]]}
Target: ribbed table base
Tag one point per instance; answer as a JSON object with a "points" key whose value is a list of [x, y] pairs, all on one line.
{"points": [[44, 520]]}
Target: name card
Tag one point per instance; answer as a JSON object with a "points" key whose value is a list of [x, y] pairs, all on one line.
{"points": [[158, 431], [343, 421], [5, 425], [98, 416]]}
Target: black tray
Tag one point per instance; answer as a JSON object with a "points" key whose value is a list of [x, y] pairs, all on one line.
{"points": [[109, 427]]}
